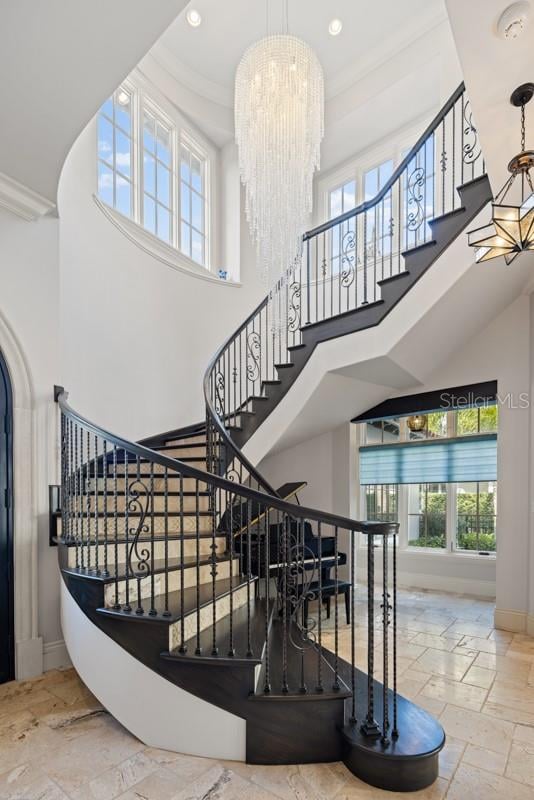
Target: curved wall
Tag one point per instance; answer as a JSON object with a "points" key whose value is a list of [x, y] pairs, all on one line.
{"points": [[136, 334]]}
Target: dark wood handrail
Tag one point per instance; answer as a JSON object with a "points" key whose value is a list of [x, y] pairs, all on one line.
{"points": [[292, 509], [367, 204]]}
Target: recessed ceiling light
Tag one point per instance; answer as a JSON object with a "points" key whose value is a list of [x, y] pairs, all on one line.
{"points": [[513, 20], [193, 17], [123, 98], [335, 27]]}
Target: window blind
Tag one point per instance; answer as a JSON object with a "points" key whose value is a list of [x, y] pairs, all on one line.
{"points": [[472, 458]]}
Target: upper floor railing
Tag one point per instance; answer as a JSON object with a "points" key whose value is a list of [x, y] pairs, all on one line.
{"points": [[341, 268]]}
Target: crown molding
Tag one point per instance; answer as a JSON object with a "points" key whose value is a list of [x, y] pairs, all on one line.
{"points": [[23, 201]]}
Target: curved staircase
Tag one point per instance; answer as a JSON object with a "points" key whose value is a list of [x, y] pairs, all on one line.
{"points": [[211, 584]]}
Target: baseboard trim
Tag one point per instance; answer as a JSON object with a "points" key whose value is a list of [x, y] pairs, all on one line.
{"points": [[507, 619], [29, 659], [55, 656], [438, 583]]}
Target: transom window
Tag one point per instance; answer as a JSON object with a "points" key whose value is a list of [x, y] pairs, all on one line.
{"points": [[154, 172]]}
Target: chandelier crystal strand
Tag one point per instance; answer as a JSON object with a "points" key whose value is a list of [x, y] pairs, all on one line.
{"points": [[279, 122]]}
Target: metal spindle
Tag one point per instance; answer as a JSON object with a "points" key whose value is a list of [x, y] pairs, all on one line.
{"points": [[319, 687], [116, 529], [336, 686], [395, 731], [353, 626], [370, 727], [105, 571], [385, 642]]}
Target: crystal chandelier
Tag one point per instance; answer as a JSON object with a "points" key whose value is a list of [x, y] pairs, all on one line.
{"points": [[512, 224], [279, 123]]}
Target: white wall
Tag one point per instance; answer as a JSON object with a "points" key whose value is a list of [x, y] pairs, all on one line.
{"points": [[29, 307], [501, 351], [136, 334]]}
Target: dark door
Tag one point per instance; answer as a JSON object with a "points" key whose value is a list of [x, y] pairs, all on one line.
{"points": [[7, 659]]}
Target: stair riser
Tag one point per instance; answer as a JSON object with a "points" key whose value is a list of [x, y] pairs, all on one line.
{"points": [[183, 453], [190, 440], [173, 484], [188, 503], [175, 583], [172, 525], [146, 469], [222, 609], [174, 550]]}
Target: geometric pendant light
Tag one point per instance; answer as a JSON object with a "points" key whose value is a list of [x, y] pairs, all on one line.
{"points": [[511, 229]]}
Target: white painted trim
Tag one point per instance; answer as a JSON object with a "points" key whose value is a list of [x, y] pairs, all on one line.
{"points": [[154, 247], [55, 655], [28, 645], [507, 619], [169, 718], [439, 583], [21, 200]]}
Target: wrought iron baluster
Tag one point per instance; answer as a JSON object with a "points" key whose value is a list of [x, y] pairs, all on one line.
{"points": [[353, 626], [96, 507], [70, 477], [105, 571], [183, 647], [369, 726], [395, 731], [166, 612], [267, 681], [336, 686], [115, 529], [77, 497], [229, 505], [385, 642], [364, 301], [213, 573], [91, 536], [319, 687], [249, 572], [127, 606], [198, 650], [285, 588]]}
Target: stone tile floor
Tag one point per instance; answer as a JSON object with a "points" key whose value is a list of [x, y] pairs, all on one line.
{"points": [[57, 743]]}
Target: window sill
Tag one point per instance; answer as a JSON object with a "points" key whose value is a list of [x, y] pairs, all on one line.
{"points": [[154, 247], [435, 551]]}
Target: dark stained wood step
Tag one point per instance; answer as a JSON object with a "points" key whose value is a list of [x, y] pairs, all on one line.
{"points": [[205, 598], [243, 636]]}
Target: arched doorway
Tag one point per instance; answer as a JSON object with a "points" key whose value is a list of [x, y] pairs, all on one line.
{"points": [[7, 658]]}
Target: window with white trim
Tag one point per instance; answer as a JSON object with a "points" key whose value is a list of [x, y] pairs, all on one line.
{"points": [[115, 150], [155, 172], [458, 516]]}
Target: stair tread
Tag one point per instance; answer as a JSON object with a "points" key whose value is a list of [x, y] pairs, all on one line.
{"points": [[159, 567], [240, 638], [205, 596]]}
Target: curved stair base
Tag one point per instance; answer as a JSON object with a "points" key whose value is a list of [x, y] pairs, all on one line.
{"points": [[404, 764], [154, 710]]}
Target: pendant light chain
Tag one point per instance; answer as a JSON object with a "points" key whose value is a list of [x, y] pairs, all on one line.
{"points": [[522, 127]]}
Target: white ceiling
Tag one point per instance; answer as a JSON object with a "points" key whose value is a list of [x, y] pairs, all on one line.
{"points": [[59, 60], [493, 67], [371, 33]]}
